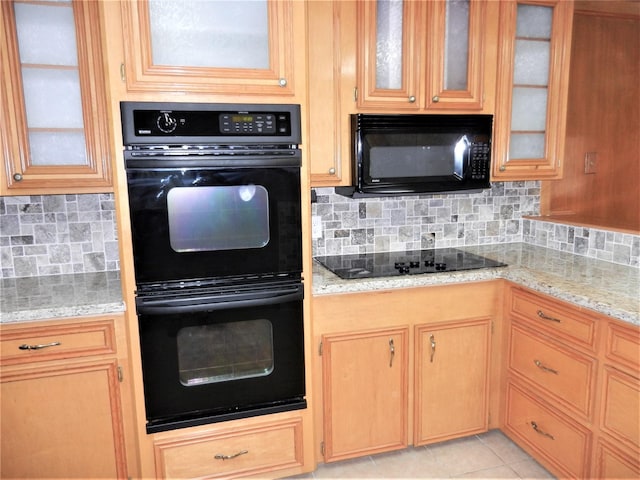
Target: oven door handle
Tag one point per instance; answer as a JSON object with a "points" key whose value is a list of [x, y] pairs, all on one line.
{"points": [[225, 301]]}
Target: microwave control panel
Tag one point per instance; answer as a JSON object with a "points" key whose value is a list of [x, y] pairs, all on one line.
{"points": [[480, 160]]}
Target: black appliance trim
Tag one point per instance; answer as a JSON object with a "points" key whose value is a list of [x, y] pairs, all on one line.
{"points": [[172, 423]]}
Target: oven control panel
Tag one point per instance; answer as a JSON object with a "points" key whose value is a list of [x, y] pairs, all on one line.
{"points": [[171, 122]]}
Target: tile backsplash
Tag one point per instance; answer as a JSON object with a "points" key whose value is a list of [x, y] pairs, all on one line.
{"points": [[60, 234], [424, 221], [435, 221], [57, 234]]}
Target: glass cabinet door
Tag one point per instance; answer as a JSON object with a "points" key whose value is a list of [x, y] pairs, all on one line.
{"points": [[421, 55], [222, 46], [456, 54], [389, 54], [532, 89], [53, 108]]}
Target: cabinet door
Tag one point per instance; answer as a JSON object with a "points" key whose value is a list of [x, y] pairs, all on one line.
{"points": [[53, 99], [456, 47], [62, 422], [365, 392], [329, 139], [421, 55], [390, 54], [242, 47], [452, 365], [532, 89]]}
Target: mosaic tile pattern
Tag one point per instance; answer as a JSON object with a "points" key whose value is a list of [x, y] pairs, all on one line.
{"points": [[425, 221], [435, 221], [57, 234], [606, 245]]}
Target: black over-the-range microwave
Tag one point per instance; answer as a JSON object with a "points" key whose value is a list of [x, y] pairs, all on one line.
{"points": [[414, 154]]}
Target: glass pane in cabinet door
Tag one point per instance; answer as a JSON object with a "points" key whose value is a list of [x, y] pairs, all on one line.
{"points": [[216, 34], [46, 35], [530, 81], [456, 53], [389, 52]]}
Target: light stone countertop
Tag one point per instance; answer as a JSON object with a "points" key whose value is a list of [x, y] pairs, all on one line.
{"points": [[60, 296], [605, 287]]}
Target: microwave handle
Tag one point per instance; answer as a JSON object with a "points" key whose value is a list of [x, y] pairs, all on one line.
{"points": [[206, 303]]}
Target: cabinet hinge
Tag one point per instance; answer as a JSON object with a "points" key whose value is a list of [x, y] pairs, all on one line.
{"points": [[322, 448], [320, 349], [120, 374], [489, 418], [492, 326]]}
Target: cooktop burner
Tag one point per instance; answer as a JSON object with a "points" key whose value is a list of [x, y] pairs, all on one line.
{"points": [[390, 264]]}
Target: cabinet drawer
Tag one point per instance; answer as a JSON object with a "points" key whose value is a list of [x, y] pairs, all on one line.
{"points": [[28, 344], [553, 437], [564, 374], [623, 345], [242, 451], [612, 463], [621, 407], [559, 319]]}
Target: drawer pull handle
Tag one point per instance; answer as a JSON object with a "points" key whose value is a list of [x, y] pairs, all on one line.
{"points": [[542, 315], [229, 457], [39, 346], [433, 346], [534, 425], [541, 366], [392, 352]]}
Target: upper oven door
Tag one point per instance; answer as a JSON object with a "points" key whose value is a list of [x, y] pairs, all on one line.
{"points": [[213, 217]]}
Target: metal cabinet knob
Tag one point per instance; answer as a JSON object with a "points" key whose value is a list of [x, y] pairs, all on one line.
{"points": [[282, 82], [436, 99], [17, 177], [412, 99], [332, 171]]}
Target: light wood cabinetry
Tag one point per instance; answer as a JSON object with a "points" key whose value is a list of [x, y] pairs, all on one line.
{"points": [[365, 378], [452, 382], [619, 426], [374, 376], [572, 392], [63, 411], [415, 56], [246, 49], [329, 136], [265, 447], [551, 381], [53, 102], [532, 89]]}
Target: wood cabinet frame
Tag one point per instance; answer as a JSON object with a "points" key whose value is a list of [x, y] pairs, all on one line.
{"points": [[142, 75], [93, 177], [550, 165]]}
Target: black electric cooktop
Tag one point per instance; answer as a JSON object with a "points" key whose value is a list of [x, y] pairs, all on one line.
{"points": [[391, 264]]}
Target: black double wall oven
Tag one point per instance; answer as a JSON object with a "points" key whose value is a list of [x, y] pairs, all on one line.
{"points": [[214, 198]]}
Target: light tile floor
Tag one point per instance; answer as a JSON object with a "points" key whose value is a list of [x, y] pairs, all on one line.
{"points": [[490, 456]]}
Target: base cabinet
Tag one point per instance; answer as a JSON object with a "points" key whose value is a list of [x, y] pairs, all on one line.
{"points": [[572, 392], [452, 380], [257, 449], [365, 392], [61, 405], [403, 366]]}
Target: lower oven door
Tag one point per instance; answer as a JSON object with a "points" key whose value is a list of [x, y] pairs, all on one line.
{"points": [[221, 355]]}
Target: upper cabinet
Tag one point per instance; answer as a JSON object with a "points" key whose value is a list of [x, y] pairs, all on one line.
{"points": [[532, 89], [232, 48], [415, 56], [53, 107]]}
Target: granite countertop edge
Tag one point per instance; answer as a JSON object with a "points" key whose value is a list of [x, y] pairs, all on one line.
{"points": [[605, 287]]}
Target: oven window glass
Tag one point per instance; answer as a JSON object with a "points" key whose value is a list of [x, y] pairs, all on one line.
{"points": [[218, 218], [225, 351]]}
